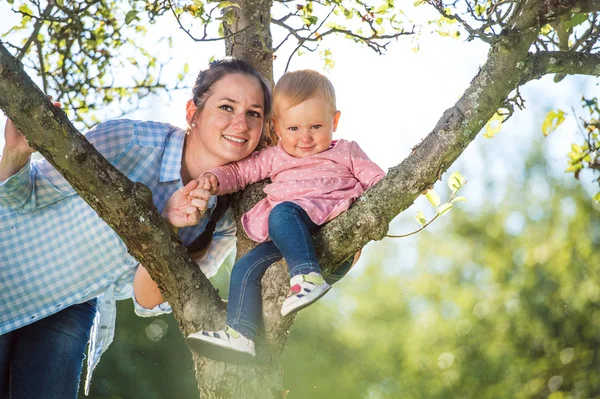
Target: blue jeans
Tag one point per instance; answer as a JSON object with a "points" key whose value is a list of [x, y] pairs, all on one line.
{"points": [[44, 359], [290, 230]]}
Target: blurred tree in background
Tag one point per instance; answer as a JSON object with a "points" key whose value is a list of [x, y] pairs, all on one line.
{"points": [[500, 302]]}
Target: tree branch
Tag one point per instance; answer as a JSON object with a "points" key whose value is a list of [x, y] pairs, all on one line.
{"points": [[36, 30], [585, 6], [369, 217], [125, 206], [567, 62]]}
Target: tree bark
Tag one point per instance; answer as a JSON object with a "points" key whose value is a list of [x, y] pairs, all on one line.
{"points": [[128, 209]]}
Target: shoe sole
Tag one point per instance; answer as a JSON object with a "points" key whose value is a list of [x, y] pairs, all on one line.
{"points": [[301, 303], [215, 351]]}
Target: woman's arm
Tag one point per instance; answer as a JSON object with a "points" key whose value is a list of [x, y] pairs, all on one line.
{"points": [[145, 289], [37, 184]]}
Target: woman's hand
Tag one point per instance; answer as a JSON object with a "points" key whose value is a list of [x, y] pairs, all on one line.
{"points": [[187, 205], [14, 141], [16, 151]]}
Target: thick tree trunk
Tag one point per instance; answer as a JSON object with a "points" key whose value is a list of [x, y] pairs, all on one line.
{"points": [[128, 209], [253, 43]]}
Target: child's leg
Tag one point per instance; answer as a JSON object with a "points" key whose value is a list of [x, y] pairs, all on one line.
{"points": [[244, 306], [236, 343], [340, 272], [290, 228]]}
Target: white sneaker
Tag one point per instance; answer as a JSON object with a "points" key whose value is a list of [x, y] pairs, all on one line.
{"points": [[304, 290], [226, 346]]}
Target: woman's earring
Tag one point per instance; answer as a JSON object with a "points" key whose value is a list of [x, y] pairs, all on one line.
{"points": [[193, 125]]}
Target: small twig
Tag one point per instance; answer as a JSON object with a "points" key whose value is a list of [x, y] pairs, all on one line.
{"points": [[36, 29], [438, 214], [287, 65], [42, 66], [204, 38]]}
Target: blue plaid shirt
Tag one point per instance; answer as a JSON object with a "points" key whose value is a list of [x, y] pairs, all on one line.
{"points": [[56, 252]]}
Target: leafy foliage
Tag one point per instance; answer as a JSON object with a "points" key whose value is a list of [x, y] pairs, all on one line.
{"points": [[76, 48], [587, 155], [455, 182]]}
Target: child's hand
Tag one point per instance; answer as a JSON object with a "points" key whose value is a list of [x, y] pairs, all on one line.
{"points": [[209, 182], [187, 205]]}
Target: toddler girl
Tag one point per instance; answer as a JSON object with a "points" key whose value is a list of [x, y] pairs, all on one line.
{"points": [[314, 179]]}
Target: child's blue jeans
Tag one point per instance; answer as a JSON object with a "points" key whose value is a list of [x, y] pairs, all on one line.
{"points": [[290, 230]]}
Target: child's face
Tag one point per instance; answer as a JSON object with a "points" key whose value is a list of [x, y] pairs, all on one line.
{"points": [[306, 128]]}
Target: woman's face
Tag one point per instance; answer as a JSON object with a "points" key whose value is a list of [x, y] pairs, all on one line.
{"points": [[230, 125]]}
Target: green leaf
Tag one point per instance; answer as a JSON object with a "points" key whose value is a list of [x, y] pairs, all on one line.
{"points": [[25, 9], [433, 198], [493, 126], [186, 68], [459, 199], [420, 218], [130, 16], [578, 19], [455, 181], [382, 8], [552, 121], [445, 208], [229, 17], [60, 3], [597, 197], [545, 29]]}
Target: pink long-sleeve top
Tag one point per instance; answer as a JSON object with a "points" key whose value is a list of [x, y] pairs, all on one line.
{"points": [[323, 184]]}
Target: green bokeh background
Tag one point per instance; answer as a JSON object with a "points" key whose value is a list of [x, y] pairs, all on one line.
{"points": [[499, 299]]}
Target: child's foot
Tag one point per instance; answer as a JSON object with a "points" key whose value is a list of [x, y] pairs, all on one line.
{"points": [[225, 346], [304, 290]]}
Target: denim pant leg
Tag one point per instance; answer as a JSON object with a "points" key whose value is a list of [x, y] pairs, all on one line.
{"points": [[244, 308], [291, 230], [46, 356], [340, 272], [5, 340]]}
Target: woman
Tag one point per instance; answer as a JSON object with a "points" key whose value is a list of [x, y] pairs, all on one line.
{"points": [[60, 263]]}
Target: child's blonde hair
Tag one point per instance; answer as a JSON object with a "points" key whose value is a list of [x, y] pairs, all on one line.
{"points": [[296, 87]]}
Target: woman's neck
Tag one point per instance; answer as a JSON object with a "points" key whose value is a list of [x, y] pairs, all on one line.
{"points": [[195, 160]]}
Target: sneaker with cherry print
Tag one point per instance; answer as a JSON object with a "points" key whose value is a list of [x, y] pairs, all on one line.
{"points": [[304, 290]]}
